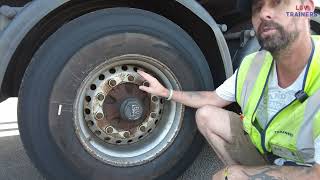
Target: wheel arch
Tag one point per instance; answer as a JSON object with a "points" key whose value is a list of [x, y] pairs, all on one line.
{"points": [[46, 16]]}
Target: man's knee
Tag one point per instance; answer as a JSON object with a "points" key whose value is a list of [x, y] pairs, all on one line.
{"points": [[211, 119], [206, 115]]}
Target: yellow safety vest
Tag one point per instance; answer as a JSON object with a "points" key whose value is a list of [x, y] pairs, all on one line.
{"points": [[291, 132]]}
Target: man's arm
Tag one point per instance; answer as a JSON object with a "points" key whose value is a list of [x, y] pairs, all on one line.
{"points": [[199, 98], [194, 99], [237, 172]]}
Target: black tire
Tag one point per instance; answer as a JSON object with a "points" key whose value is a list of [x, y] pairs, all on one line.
{"points": [[50, 140]]}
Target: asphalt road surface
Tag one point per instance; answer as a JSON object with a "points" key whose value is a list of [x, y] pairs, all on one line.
{"points": [[15, 164]]}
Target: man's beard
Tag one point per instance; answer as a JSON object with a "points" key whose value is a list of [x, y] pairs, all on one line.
{"points": [[277, 41]]}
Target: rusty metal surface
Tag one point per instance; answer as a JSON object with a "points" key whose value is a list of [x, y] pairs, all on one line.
{"points": [[116, 97]]}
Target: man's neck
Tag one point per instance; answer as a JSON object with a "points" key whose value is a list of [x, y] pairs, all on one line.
{"points": [[291, 61]]}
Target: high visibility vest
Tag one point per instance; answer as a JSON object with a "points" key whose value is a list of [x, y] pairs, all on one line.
{"points": [[291, 132]]}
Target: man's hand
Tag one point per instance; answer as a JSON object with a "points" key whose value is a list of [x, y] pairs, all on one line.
{"points": [[195, 99], [237, 172], [155, 87]]}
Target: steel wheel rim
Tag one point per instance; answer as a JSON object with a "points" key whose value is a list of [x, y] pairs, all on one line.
{"points": [[142, 150]]}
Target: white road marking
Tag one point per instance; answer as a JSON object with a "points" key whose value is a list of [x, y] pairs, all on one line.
{"points": [[6, 126], [59, 110], [9, 133]]}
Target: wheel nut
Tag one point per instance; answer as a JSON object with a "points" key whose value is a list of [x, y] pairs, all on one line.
{"points": [[126, 134], [100, 97], [130, 78], [153, 115], [112, 82], [142, 128], [99, 116], [154, 98], [109, 129]]}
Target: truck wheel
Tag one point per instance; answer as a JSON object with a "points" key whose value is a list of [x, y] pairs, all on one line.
{"points": [[81, 114]]}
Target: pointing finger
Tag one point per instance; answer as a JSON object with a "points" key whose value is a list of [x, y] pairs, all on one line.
{"points": [[145, 75], [144, 88]]}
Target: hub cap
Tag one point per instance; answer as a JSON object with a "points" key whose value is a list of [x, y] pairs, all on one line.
{"points": [[131, 109]]}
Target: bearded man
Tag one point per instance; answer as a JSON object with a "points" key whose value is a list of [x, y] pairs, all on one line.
{"points": [[277, 136]]}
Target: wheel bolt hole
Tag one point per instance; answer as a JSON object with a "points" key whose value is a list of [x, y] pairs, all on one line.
{"points": [[135, 69], [101, 77], [87, 111], [130, 141], [88, 98], [118, 141], [93, 87], [90, 123], [149, 130], [107, 139], [160, 111], [161, 100], [112, 71], [140, 136], [124, 67], [156, 122], [98, 133]]}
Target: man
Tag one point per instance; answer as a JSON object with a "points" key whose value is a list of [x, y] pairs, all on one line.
{"points": [[277, 90]]}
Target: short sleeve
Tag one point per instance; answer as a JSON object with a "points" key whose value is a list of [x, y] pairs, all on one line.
{"points": [[227, 90]]}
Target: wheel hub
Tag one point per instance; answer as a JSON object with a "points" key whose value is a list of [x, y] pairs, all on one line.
{"points": [[131, 109]]}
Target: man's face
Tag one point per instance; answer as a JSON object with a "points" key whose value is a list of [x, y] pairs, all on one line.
{"points": [[274, 28]]}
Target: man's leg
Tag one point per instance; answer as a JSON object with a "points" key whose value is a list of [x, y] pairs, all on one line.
{"points": [[223, 130], [213, 124]]}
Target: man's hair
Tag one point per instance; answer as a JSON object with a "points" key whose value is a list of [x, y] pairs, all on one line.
{"points": [[254, 1]]}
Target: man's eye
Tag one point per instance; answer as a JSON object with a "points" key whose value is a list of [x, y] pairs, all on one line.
{"points": [[276, 2], [256, 9]]}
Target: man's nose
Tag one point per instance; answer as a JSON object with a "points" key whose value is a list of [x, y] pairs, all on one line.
{"points": [[266, 13]]}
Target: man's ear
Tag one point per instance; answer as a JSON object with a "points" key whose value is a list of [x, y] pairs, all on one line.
{"points": [[310, 4]]}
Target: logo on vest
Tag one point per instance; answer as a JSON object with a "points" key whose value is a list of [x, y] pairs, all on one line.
{"points": [[284, 132]]}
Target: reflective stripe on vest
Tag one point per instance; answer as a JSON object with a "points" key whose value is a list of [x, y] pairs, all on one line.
{"points": [[305, 135], [255, 68], [291, 132]]}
